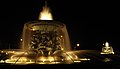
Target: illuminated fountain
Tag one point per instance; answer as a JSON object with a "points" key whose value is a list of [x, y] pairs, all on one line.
{"points": [[107, 49], [45, 35], [44, 41], [37, 34]]}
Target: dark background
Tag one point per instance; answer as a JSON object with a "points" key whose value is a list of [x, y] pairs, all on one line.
{"points": [[88, 23]]}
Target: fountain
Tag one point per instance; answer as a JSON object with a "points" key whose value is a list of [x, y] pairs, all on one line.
{"points": [[44, 41], [107, 49], [45, 34]]}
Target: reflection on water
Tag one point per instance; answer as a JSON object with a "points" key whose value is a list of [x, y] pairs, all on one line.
{"points": [[36, 58], [107, 60]]}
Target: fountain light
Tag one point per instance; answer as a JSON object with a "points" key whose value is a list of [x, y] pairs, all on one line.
{"points": [[20, 39], [78, 44], [45, 14], [107, 49]]}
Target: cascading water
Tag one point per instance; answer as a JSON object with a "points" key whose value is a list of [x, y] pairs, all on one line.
{"points": [[44, 41], [45, 35]]}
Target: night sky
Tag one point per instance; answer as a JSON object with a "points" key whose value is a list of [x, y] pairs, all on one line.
{"points": [[89, 24]]}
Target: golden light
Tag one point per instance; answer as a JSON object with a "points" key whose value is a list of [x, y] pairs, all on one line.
{"points": [[11, 57], [61, 36], [78, 44], [43, 59], [21, 39], [62, 48], [77, 61], [84, 59], [6, 53], [103, 43], [51, 58], [2, 61], [18, 52], [107, 44], [2, 51], [23, 59], [45, 14], [26, 53], [33, 29], [11, 51]]}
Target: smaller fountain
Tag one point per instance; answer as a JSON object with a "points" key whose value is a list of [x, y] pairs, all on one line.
{"points": [[107, 49]]}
